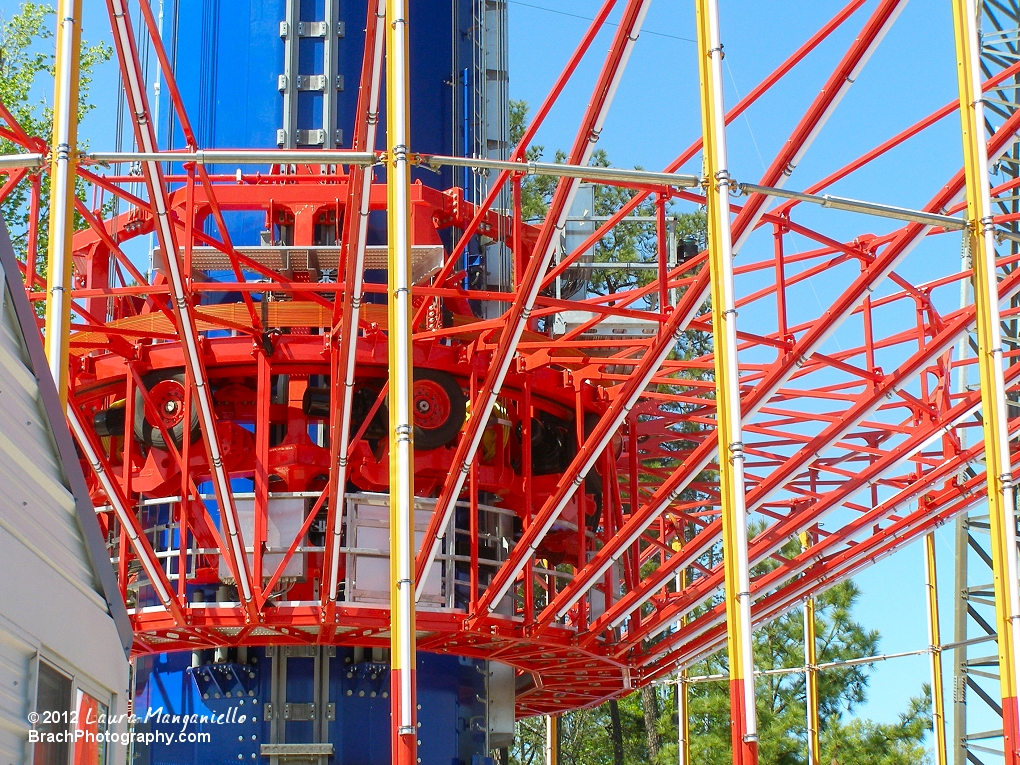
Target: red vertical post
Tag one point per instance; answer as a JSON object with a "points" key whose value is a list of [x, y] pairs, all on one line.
{"points": [[473, 508], [662, 254], [263, 398], [582, 507], [778, 231], [518, 229], [529, 572], [183, 518], [32, 245], [129, 435]]}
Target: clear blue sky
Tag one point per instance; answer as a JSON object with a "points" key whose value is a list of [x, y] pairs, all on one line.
{"points": [[655, 116]]}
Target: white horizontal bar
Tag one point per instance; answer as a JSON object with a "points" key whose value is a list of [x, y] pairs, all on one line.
{"points": [[566, 171], [241, 157], [855, 205]]}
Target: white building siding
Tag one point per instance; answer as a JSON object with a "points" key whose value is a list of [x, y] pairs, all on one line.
{"points": [[16, 658], [35, 505]]}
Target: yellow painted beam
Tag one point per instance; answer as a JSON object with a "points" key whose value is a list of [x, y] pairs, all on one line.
{"points": [[1001, 513], [63, 161], [398, 187], [811, 683], [552, 740], [938, 707], [724, 332]]}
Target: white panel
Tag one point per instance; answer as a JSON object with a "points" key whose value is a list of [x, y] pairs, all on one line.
{"points": [[15, 696], [283, 522], [369, 568], [36, 506], [69, 627]]}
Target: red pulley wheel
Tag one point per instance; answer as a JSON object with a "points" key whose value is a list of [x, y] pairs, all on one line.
{"points": [[438, 407], [167, 394]]}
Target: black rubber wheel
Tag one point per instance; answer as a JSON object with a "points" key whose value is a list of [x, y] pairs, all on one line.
{"points": [[361, 404], [552, 444], [315, 402], [438, 406], [166, 389], [109, 422]]}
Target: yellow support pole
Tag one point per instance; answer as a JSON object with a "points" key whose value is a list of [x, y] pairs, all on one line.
{"points": [[1001, 512], [63, 160], [938, 707], [682, 694], [398, 187], [811, 684], [683, 720], [552, 740], [724, 333]]}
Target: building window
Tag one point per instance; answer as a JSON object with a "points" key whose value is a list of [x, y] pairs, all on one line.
{"points": [[72, 723], [90, 749], [53, 703]]}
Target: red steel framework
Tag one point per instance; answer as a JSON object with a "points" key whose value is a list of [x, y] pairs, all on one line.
{"points": [[178, 382]]}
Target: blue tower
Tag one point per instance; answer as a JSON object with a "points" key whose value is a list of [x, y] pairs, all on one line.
{"points": [[285, 73]]}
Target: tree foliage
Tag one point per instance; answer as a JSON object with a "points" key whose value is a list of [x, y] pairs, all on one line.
{"points": [[27, 60], [845, 738], [632, 241]]}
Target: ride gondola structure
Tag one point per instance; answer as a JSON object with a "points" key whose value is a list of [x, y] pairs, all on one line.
{"points": [[381, 463]]}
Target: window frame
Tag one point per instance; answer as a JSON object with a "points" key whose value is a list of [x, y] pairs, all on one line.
{"points": [[79, 683]]}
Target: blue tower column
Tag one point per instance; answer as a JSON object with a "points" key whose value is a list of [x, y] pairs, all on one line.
{"points": [[285, 73]]}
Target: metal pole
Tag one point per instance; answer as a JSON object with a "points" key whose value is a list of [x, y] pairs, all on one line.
{"points": [[959, 637], [62, 167], [724, 332], [398, 187], [683, 723], [1001, 511], [858, 206], [938, 709], [241, 157], [552, 740], [560, 170], [16, 161], [811, 683]]}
